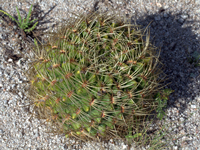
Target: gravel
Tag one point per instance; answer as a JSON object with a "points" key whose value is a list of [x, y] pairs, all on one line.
{"points": [[175, 28]]}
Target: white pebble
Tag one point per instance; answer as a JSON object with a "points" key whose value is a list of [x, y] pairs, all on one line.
{"points": [[193, 106], [10, 60]]}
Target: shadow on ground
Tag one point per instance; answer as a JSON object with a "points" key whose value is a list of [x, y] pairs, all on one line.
{"points": [[178, 43]]}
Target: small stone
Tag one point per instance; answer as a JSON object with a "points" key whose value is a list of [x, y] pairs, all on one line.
{"points": [[167, 34], [166, 6], [198, 10], [161, 23], [181, 75], [189, 50], [172, 45], [157, 18], [184, 16], [1, 131], [192, 75], [181, 119], [198, 99], [14, 27], [10, 60], [153, 24], [124, 146], [181, 20], [1, 36], [197, 1], [178, 105], [159, 4], [193, 106], [17, 36], [18, 63], [182, 132], [4, 42], [165, 15], [20, 94]]}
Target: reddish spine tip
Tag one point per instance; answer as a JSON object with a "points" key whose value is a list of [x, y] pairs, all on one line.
{"points": [[53, 82], [54, 47], [133, 111], [118, 86], [112, 99], [92, 102], [111, 30], [68, 75], [74, 30], [122, 109], [43, 79], [67, 117], [56, 65], [46, 60], [55, 117], [46, 97], [119, 63], [78, 111], [114, 120], [92, 123], [130, 94], [103, 114], [115, 40], [125, 51], [72, 60], [62, 51], [69, 94], [131, 62], [41, 59], [58, 100], [84, 84]]}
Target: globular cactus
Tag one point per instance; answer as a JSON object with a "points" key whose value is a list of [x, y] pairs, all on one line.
{"points": [[95, 77]]}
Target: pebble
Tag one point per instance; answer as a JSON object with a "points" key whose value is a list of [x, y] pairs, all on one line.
{"points": [[193, 106], [184, 16], [157, 18], [165, 15], [14, 27], [1, 131], [181, 20], [10, 60], [19, 63]]}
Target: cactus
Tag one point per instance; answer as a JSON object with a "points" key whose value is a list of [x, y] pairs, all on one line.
{"points": [[96, 77]]}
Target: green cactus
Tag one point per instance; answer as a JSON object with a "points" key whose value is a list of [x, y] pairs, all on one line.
{"points": [[95, 77]]}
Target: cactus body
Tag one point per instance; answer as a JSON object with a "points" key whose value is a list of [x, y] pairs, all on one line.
{"points": [[95, 76]]}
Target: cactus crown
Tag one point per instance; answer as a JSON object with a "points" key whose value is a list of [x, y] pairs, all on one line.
{"points": [[95, 78]]}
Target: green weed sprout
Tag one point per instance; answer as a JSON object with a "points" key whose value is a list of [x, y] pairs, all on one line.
{"points": [[24, 23], [96, 78]]}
